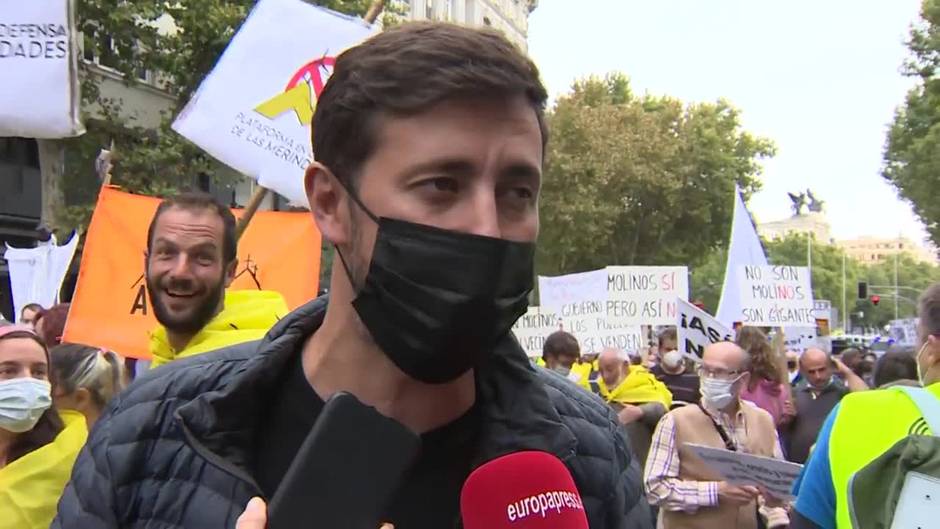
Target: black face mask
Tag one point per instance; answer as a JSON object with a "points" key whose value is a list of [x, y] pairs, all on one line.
{"points": [[438, 301]]}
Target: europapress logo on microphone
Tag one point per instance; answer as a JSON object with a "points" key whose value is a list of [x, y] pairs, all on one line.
{"points": [[544, 504]]}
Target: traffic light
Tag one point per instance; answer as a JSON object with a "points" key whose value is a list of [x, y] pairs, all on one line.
{"points": [[875, 299], [862, 290]]}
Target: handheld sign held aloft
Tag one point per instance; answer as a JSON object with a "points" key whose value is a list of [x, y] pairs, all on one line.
{"points": [[696, 329], [776, 296]]}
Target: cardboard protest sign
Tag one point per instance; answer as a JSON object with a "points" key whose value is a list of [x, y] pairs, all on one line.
{"points": [[696, 329], [776, 296], [110, 308], [39, 91], [738, 468], [645, 295], [253, 110], [533, 328]]}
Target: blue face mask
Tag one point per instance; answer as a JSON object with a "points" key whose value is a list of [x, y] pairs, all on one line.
{"points": [[22, 403]]}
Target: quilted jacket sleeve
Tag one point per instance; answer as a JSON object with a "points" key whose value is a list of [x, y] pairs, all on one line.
{"points": [[88, 498]]}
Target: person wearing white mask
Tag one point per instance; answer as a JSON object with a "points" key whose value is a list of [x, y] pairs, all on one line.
{"points": [[690, 495], [37, 449], [676, 372]]}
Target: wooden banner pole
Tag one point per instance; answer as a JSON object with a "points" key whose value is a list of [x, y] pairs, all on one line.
{"points": [[261, 192]]}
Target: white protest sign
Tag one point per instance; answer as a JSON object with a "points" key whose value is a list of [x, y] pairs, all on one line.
{"points": [[39, 87], [822, 309], [775, 475], [903, 332], [579, 300], [696, 329], [800, 339], [776, 296], [556, 292], [645, 295], [253, 110], [533, 328]]}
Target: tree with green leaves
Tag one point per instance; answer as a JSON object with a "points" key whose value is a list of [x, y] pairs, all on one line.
{"points": [[640, 180], [912, 153], [180, 42]]}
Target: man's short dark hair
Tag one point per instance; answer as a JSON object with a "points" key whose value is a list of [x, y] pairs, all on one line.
{"points": [[668, 334], [894, 366], [35, 307], [198, 201], [404, 71], [560, 343], [928, 309]]}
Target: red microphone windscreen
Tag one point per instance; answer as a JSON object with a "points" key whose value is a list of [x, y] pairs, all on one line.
{"points": [[523, 490]]}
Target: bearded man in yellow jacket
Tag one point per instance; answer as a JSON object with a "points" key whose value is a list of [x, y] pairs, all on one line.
{"points": [[639, 399], [190, 261]]}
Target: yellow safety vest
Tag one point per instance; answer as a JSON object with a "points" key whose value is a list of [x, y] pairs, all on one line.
{"points": [[867, 424]]}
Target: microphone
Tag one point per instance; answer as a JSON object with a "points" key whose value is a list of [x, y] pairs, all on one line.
{"points": [[523, 490]]}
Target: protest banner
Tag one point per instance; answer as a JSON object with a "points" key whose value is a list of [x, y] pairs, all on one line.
{"points": [[556, 292], [738, 468], [533, 328], [903, 332], [645, 295], [253, 111], [696, 329], [111, 308], [776, 296], [39, 95]]}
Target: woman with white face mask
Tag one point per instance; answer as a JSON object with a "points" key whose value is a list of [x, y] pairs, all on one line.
{"points": [[37, 446]]}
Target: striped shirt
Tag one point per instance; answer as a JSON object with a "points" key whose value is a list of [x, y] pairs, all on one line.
{"points": [[661, 476]]}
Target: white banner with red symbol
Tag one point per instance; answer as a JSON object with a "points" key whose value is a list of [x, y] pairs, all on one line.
{"points": [[253, 111]]}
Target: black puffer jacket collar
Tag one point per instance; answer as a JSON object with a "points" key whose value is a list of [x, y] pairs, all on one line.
{"points": [[516, 412]]}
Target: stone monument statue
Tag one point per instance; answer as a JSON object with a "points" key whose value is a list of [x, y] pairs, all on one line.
{"points": [[815, 205], [799, 201]]}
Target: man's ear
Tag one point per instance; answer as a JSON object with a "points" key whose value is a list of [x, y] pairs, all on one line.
{"points": [[325, 196], [230, 272]]}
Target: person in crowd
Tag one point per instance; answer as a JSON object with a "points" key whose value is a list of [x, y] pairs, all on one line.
{"points": [[50, 323], [85, 379], [687, 492], [28, 314], [864, 426], [895, 368], [676, 372], [814, 400], [433, 211], [765, 386], [37, 445], [634, 393], [793, 368], [653, 355], [561, 352], [860, 363], [190, 262]]}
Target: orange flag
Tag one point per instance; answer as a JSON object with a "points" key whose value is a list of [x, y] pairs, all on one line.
{"points": [[279, 251]]}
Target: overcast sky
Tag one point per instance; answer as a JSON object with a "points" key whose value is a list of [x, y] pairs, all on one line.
{"points": [[819, 77]]}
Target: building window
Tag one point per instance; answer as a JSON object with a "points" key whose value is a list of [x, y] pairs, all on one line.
{"points": [[486, 21], [108, 56]]}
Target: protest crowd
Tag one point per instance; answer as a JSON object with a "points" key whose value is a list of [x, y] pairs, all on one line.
{"points": [[392, 399]]}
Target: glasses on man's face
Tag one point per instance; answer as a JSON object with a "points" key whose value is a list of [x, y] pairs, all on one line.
{"points": [[717, 373]]}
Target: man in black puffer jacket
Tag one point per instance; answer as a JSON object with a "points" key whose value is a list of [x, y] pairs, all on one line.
{"points": [[429, 141]]}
